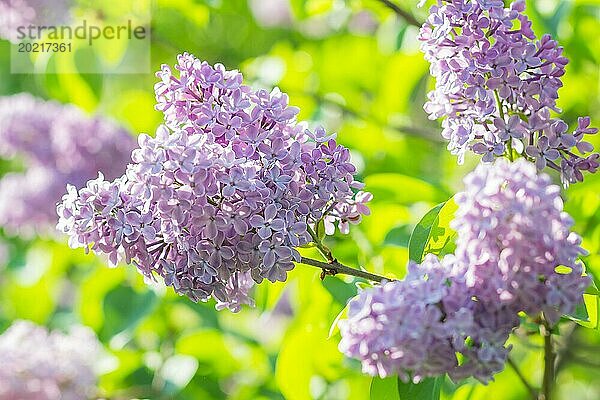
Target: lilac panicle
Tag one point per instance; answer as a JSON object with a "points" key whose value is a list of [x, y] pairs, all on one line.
{"points": [[42, 365], [414, 328], [513, 234], [57, 145], [515, 253], [224, 193], [496, 85], [399, 326]]}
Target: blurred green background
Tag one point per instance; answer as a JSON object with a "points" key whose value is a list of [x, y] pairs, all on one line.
{"points": [[356, 68]]}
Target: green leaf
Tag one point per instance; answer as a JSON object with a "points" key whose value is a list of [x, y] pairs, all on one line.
{"points": [[427, 389], [592, 306], [433, 235], [124, 309], [398, 236], [400, 36], [580, 313], [420, 235], [592, 289], [334, 328], [320, 230], [586, 312], [441, 237], [341, 293], [339, 290], [384, 389]]}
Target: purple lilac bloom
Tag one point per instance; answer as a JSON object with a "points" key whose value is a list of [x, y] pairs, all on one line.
{"points": [[400, 328], [57, 145], [42, 365], [23, 13], [223, 194], [496, 85], [513, 234], [414, 328]]}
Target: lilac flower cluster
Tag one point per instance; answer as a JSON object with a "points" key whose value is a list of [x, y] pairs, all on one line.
{"points": [[511, 236], [57, 145], [42, 365], [417, 327], [17, 13], [496, 85], [225, 192], [408, 327]]}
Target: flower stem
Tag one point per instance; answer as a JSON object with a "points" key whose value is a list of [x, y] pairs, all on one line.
{"points": [[532, 392], [324, 250], [549, 356], [334, 267], [509, 148]]}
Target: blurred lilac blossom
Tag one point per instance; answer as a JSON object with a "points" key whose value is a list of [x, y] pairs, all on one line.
{"points": [[57, 145], [42, 365]]}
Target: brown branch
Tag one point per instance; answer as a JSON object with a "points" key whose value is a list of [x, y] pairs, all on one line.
{"points": [[549, 358], [408, 130], [408, 17], [335, 267]]}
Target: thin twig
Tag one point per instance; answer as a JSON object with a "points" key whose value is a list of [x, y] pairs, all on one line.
{"points": [[335, 267], [530, 389], [407, 130], [548, 362], [408, 17]]}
